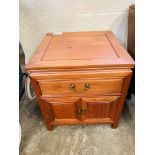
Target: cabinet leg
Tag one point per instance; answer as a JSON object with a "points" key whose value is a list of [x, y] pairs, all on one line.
{"points": [[50, 127], [114, 125]]}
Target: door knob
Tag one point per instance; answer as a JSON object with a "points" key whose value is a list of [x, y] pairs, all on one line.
{"points": [[79, 111]]}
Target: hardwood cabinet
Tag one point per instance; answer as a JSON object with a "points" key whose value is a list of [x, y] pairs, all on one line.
{"points": [[80, 78], [83, 110]]}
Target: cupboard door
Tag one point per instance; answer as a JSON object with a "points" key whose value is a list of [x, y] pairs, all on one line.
{"points": [[64, 110], [98, 108], [83, 110]]}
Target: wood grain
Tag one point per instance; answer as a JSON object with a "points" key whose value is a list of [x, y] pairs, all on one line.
{"points": [[99, 86], [81, 78], [103, 53]]}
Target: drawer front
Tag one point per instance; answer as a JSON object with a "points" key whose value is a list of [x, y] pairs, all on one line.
{"points": [[83, 110], [83, 86]]}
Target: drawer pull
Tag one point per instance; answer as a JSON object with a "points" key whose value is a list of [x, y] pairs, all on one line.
{"points": [[73, 87], [87, 85]]}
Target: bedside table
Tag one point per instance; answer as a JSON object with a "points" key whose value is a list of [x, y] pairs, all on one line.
{"points": [[80, 78]]}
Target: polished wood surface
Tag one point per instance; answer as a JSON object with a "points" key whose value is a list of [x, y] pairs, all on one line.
{"points": [[73, 45], [99, 86], [80, 78], [80, 49], [83, 110]]}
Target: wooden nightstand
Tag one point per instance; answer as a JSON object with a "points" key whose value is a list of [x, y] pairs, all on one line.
{"points": [[80, 78]]}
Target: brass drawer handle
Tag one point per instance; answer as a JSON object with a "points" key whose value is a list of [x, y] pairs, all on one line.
{"points": [[87, 85], [73, 87]]}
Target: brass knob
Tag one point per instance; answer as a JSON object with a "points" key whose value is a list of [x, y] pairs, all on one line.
{"points": [[87, 85], [72, 86], [81, 111], [84, 110]]}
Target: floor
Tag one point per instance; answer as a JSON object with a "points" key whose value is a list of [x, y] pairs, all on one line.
{"points": [[75, 140]]}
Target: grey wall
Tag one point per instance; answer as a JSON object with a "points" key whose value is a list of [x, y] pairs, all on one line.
{"points": [[38, 17]]}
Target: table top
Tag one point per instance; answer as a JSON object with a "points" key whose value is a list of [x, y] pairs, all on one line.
{"points": [[80, 49]]}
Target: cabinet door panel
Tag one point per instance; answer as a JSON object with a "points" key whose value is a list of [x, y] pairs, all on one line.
{"points": [[64, 111], [98, 110], [83, 110], [104, 107]]}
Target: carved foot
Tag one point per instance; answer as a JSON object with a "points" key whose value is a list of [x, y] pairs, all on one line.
{"points": [[114, 125], [50, 127]]}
